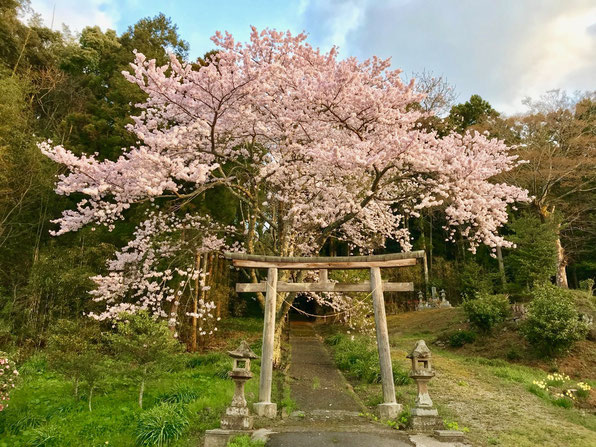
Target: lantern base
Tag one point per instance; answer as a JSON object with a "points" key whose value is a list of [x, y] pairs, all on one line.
{"points": [[389, 411], [265, 409], [425, 420]]}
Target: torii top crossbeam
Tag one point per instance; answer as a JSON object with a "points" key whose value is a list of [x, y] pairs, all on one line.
{"points": [[325, 262]]}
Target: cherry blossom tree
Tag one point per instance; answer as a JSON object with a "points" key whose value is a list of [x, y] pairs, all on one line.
{"points": [[311, 146]]}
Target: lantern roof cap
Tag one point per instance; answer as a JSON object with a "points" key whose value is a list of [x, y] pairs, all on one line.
{"points": [[420, 350], [243, 352]]}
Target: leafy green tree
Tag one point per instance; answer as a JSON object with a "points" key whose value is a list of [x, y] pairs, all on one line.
{"points": [[472, 112], [534, 260], [95, 64], [144, 346], [553, 324], [75, 350]]}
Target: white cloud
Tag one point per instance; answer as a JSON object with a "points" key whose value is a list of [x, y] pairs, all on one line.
{"points": [[503, 50], [77, 14]]}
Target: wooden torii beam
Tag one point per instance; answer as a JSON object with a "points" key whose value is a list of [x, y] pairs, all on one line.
{"points": [[389, 409]]}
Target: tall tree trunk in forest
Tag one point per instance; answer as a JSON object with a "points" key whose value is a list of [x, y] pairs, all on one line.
{"points": [[501, 267], [195, 304], [430, 245], [561, 277], [561, 265], [204, 263]]}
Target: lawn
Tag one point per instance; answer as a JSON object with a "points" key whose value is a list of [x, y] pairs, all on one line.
{"points": [[44, 412]]}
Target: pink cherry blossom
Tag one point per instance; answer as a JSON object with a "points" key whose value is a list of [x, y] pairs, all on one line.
{"points": [[310, 145]]}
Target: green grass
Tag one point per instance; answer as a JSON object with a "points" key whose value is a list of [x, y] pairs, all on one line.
{"points": [[44, 412], [358, 357]]}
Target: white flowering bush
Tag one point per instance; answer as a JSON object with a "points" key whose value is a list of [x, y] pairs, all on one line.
{"points": [[8, 379]]}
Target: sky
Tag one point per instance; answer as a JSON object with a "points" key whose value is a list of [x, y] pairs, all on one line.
{"points": [[503, 50]]}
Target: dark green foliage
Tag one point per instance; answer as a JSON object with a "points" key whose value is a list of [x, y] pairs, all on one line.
{"points": [[143, 345], [474, 280], [161, 425], [460, 338], [75, 350], [513, 354], [474, 111], [486, 311], [552, 324], [534, 260]]}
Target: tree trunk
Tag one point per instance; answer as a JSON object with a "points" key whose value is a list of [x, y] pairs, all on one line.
{"points": [[141, 391], [76, 388], [90, 397], [561, 266], [195, 305], [501, 268]]}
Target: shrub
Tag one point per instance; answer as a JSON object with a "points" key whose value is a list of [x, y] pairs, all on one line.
{"points": [[553, 324], [161, 425], [460, 338], [144, 347], [486, 311]]}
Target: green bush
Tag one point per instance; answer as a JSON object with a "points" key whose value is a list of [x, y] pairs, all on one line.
{"points": [[486, 311], [161, 425], [553, 324], [460, 338]]}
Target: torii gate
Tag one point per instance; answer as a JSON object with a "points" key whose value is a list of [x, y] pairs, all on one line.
{"points": [[389, 409]]}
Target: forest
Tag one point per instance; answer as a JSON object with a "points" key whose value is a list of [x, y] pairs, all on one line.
{"points": [[63, 275]]}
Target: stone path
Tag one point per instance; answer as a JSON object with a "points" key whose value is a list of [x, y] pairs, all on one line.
{"points": [[328, 408], [316, 384]]}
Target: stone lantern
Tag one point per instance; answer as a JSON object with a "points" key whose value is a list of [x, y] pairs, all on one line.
{"points": [[237, 415], [444, 302], [237, 419], [424, 416]]}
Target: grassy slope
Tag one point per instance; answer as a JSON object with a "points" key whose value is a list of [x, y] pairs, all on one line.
{"points": [[480, 390], [43, 411]]}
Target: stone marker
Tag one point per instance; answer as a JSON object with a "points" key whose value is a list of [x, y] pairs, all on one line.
{"points": [[424, 416], [237, 419]]}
